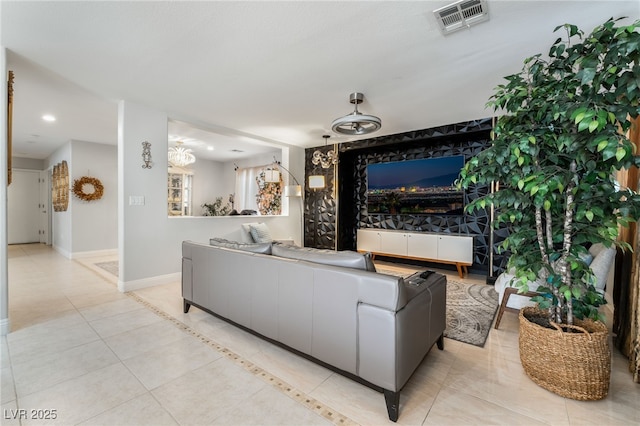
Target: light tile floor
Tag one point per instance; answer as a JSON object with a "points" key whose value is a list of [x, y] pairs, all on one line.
{"points": [[94, 356]]}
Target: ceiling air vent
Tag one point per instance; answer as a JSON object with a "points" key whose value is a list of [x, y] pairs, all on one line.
{"points": [[461, 14]]}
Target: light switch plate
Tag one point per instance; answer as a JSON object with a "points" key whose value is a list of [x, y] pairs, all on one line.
{"points": [[136, 200]]}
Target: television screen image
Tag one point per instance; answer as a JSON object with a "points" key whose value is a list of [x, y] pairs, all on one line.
{"points": [[425, 186]]}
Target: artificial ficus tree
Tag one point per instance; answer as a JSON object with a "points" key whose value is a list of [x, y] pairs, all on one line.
{"points": [[556, 147]]}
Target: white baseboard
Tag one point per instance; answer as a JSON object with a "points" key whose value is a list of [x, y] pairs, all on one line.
{"points": [[125, 286], [94, 253], [5, 326], [62, 251]]}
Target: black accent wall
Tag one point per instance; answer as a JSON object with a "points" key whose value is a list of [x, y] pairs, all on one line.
{"points": [[344, 209]]}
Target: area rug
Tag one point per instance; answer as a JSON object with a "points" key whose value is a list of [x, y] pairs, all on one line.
{"points": [[110, 267], [470, 312], [470, 309]]}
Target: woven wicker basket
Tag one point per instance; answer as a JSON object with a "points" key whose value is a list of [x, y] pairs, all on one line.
{"points": [[572, 365]]}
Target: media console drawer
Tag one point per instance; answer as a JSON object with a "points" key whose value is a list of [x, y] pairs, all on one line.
{"points": [[440, 248]]}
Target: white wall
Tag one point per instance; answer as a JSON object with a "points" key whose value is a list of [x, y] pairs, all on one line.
{"points": [[87, 227], [61, 221], [149, 242], [208, 184], [95, 223], [27, 163], [4, 276]]}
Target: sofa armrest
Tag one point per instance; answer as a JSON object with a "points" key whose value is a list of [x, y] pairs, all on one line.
{"points": [[392, 344], [383, 291]]}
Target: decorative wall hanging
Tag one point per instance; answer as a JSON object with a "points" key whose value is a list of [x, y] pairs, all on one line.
{"points": [[60, 187], [146, 155], [96, 190]]}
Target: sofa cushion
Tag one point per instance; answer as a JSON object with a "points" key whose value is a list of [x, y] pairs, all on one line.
{"points": [[264, 248], [347, 259], [260, 233]]}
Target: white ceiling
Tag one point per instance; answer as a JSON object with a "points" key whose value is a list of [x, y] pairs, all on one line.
{"points": [[269, 71]]}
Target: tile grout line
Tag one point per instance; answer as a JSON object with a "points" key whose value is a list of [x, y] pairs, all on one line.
{"points": [[295, 394]]}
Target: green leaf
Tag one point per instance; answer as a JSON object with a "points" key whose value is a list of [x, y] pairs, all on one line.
{"points": [[587, 75], [576, 292], [583, 125], [593, 126], [520, 184], [589, 215], [520, 161], [602, 145], [547, 205], [620, 153], [609, 152]]}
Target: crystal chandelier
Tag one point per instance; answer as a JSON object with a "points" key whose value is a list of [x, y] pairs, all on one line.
{"points": [[325, 160], [181, 157]]}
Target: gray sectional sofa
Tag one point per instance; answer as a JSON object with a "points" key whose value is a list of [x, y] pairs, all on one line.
{"points": [[331, 307]]}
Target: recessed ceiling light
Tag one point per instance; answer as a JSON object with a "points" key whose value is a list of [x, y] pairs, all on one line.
{"points": [[48, 117], [210, 148]]}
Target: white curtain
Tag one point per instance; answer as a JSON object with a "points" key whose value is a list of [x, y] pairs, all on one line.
{"points": [[247, 188]]}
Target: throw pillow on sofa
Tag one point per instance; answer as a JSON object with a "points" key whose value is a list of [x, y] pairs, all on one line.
{"points": [[264, 248], [347, 259], [257, 232], [260, 233]]}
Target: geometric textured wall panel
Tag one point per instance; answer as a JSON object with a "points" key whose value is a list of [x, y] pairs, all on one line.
{"points": [[329, 225]]}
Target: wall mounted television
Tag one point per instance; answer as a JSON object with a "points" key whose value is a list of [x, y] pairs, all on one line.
{"points": [[415, 187]]}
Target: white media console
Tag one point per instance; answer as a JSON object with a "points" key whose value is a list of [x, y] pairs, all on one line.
{"points": [[440, 248]]}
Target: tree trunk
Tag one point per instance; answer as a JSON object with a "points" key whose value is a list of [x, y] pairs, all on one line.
{"points": [[565, 271]]}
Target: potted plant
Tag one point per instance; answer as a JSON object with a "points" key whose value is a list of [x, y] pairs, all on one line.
{"points": [[555, 150], [216, 208]]}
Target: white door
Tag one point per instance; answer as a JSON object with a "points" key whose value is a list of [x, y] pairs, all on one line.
{"points": [[23, 214]]}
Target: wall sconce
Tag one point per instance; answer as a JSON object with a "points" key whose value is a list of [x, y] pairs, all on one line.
{"points": [[316, 181]]}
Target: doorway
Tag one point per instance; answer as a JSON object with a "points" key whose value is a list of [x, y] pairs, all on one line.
{"points": [[24, 208]]}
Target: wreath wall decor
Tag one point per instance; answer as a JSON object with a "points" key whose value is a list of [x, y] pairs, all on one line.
{"points": [[79, 188]]}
